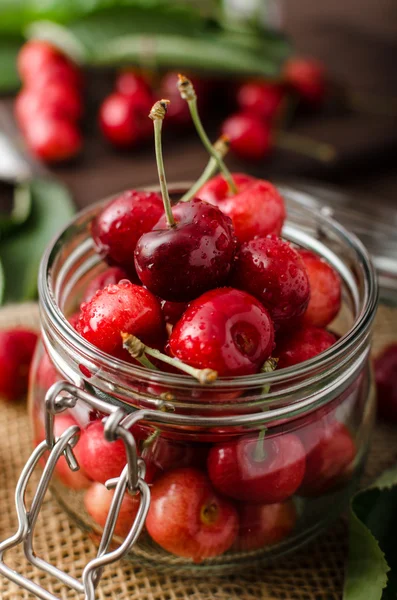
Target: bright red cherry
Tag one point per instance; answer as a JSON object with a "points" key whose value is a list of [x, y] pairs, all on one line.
{"points": [[257, 470], [181, 262], [330, 453], [325, 290], [100, 459], [117, 309], [307, 77], [386, 382], [16, 352], [270, 269], [260, 98], [187, 518], [295, 347], [226, 330], [250, 137], [60, 70], [256, 210], [34, 57], [118, 227], [97, 501], [112, 275], [54, 100], [264, 525], [53, 139], [122, 122]]}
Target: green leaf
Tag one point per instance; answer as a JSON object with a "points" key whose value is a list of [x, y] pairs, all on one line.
{"points": [[21, 252], [22, 205], [372, 564], [9, 79]]}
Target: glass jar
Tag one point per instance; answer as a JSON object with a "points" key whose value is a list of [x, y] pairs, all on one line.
{"points": [[258, 464]]}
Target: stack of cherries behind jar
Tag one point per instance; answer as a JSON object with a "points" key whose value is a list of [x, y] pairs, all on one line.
{"points": [[207, 287], [50, 105]]}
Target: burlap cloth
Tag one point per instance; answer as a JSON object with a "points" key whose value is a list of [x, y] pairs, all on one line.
{"points": [[314, 573]]}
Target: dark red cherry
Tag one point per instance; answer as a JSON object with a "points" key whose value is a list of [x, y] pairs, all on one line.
{"points": [[306, 76], [270, 269], [325, 290], [249, 136], [302, 344], [172, 311], [112, 275], [226, 330], [120, 224], [256, 470], [386, 382], [260, 98], [256, 210], [181, 262], [121, 308]]}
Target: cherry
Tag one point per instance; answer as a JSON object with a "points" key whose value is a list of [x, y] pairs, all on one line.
{"points": [[53, 139], [187, 518], [325, 290], [330, 452], [34, 57], [191, 249], [302, 344], [386, 377], [97, 501], [60, 70], [270, 269], [100, 459], [112, 275], [256, 210], [306, 76], [119, 308], [122, 121], [226, 330], [250, 137], [76, 480], [260, 98], [135, 86], [54, 100], [264, 525], [120, 224], [17, 347], [178, 113], [172, 311]]}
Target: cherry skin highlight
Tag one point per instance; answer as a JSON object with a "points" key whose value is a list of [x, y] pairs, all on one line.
{"points": [[112, 275], [226, 330], [117, 309], [17, 347], [272, 271], [259, 471], [256, 210], [302, 344], [386, 377], [250, 137], [264, 525], [97, 501], [260, 98], [180, 263], [118, 227], [326, 290], [187, 518]]}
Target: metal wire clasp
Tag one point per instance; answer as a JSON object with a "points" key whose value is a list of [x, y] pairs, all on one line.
{"points": [[63, 395]]}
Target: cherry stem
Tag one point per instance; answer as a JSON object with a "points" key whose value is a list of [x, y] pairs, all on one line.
{"points": [[149, 441], [157, 114], [260, 452], [298, 143], [137, 349], [188, 93], [222, 147], [268, 367]]}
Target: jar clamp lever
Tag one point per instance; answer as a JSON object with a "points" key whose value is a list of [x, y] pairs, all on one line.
{"points": [[60, 396]]}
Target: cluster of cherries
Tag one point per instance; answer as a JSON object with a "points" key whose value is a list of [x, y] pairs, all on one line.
{"points": [[49, 106], [208, 287]]}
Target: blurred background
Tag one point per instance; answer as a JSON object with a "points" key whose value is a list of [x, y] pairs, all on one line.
{"points": [[306, 93]]}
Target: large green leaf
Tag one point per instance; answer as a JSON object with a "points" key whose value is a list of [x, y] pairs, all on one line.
{"points": [[372, 564], [9, 79], [21, 252]]}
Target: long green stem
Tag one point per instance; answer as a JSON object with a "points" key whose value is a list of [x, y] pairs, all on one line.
{"points": [[260, 452], [222, 147], [188, 93], [157, 115], [137, 349]]}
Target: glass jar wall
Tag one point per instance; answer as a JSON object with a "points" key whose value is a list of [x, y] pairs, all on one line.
{"points": [[254, 466]]}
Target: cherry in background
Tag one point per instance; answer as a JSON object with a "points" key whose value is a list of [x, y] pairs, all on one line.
{"points": [[258, 470], [272, 270], [97, 501], [325, 290], [187, 518], [118, 227], [264, 525], [260, 98], [306, 77], [386, 382], [256, 210], [226, 330], [38, 58], [16, 352], [112, 275], [302, 344], [250, 137], [53, 140]]}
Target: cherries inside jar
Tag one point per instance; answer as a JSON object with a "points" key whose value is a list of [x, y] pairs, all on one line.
{"points": [[240, 469]]}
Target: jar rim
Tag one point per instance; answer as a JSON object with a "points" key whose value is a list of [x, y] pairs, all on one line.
{"points": [[343, 345]]}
